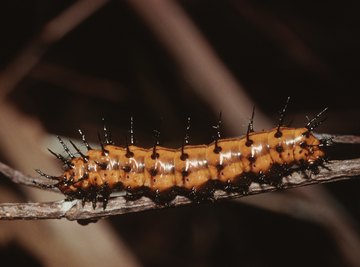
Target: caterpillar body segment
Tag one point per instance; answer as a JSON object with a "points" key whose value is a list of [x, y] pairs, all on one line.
{"points": [[194, 170]]}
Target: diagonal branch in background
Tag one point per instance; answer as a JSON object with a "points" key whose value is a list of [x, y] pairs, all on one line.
{"points": [[198, 62], [72, 210], [53, 31], [279, 32]]}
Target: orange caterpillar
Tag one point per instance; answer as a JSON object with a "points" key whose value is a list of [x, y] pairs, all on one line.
{"points": [[195, 171]]}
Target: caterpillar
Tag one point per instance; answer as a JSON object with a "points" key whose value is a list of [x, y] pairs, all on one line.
{"points": [[194, 171]]}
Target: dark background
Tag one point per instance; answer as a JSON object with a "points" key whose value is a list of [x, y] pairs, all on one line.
{"points": [[308, 50]]}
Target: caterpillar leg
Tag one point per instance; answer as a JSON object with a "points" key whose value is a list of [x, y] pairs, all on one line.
{"points": [[104, 194]]}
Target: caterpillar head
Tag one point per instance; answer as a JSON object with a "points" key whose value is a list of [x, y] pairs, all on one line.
{"points": [[307, 147]]}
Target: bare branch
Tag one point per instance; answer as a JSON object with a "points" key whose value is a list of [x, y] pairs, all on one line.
{"points": [[343, 139], [73, 210], [20, 178]]}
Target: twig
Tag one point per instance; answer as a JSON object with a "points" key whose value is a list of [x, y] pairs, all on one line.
{"points": [[341, 139], [73, 210], [20, 178]]}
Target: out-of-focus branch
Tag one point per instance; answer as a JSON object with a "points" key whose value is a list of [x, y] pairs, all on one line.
{"points": [[198, 62], [18, 131], [213, 82], [78, 82], [280, 33], [53, 31], [335, 171]]}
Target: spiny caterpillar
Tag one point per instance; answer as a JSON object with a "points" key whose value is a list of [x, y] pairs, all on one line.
{"points": [[194, 171]]}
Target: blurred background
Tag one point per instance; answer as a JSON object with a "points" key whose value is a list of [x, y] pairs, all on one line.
{"points": [[66, 64]]}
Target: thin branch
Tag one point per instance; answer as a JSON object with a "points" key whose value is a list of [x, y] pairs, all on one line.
{"points": [[73, 210], [20, 178], [341, 139]]}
